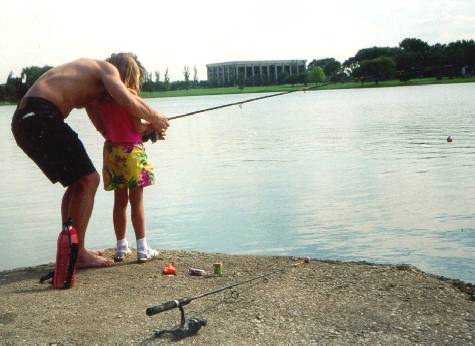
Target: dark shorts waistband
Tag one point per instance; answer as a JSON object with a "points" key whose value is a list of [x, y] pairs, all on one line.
{"points": [[37, 106]]}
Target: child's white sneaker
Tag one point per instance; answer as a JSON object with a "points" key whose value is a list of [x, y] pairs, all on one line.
{"points": [[121, 254], [149, 253]]}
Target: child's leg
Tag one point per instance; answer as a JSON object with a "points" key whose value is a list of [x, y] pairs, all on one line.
{"points": [[144, 252], [137, 212], [121, 200]]}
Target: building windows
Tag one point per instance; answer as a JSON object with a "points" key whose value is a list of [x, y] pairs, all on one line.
{"points": [[253, 72]]}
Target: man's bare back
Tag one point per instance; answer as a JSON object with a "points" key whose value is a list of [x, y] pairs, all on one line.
{"points": [[81, 82], [71, 85]]}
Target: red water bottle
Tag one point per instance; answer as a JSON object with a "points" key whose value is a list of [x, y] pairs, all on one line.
{"points": [[66, 255]]}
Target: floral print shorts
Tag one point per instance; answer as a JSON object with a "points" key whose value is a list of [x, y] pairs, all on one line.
{"points": [[126, 165]]}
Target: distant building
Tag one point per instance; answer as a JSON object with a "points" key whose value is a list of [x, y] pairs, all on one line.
{"points": [[260, 71]]}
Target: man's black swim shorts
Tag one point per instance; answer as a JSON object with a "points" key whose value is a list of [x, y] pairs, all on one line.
{"points": [[40, 130]]}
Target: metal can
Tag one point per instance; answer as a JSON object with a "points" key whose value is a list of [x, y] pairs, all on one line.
{"points": [[218, 269], [197, 272]]}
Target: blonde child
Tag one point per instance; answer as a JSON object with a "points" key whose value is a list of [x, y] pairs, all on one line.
{"points": [[126, 169]]}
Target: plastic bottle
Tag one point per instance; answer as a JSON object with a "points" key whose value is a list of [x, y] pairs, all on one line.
{"points": [[66, 255]]}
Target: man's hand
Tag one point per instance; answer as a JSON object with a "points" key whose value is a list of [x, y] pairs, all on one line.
{"points": [[150, 134], [162, 135], [160, 124]]}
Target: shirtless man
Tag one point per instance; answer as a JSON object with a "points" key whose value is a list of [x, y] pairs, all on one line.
{"points": [[39, 129]]}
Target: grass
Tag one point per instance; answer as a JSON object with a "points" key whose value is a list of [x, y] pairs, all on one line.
{"points": [[396, 82], [289, 87], [221, 91]]}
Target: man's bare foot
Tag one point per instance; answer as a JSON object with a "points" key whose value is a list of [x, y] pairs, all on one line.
{"points": [[97, 252], [90, 259]]}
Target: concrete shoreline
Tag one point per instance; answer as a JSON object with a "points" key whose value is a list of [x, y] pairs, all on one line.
{"points": [[326, 302]]}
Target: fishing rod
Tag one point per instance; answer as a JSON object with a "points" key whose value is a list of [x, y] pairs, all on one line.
{"points": [[240, 102], [154, 136], [190, 326]]}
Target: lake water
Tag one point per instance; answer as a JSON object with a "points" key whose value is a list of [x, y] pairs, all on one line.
{"points": [[340, 174]]}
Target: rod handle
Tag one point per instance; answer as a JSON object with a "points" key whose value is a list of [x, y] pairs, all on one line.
{"points": [[172, 304]]}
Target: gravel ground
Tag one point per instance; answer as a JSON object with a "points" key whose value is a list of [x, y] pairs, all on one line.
{"points": [[321, 302]]}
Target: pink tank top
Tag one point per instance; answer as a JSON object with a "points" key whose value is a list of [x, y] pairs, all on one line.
{"points": [[118, 124]]}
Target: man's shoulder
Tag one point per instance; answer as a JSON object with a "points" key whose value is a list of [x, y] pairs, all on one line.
{"points": [[92, 67], [90, 62]]}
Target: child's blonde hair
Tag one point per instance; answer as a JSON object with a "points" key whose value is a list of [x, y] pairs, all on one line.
{"points": [[130, 69]]}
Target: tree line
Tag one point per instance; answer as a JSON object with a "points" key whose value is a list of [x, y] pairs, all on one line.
{"points": [[155, 82], [412, 58], [15, 87]]}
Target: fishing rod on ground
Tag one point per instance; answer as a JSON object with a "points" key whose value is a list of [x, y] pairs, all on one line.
{"points": [[154, 136], [190, 326]]}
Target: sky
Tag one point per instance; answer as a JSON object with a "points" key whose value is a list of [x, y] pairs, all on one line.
{"points": [[178, 33]]}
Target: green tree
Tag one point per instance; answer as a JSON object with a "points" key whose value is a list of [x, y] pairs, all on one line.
{"points": [[316, 75], [166, 79], [148, 84], [414, 45], [330, 66], [14, 88], [30, 74], [461, 53], [353, 63], [413, 57], [195, 76], [186, 74], [377, 69], [3, 94]]}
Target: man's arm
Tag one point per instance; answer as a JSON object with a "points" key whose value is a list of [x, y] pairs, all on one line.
{"points": [[135, 105], [139, 124]]}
